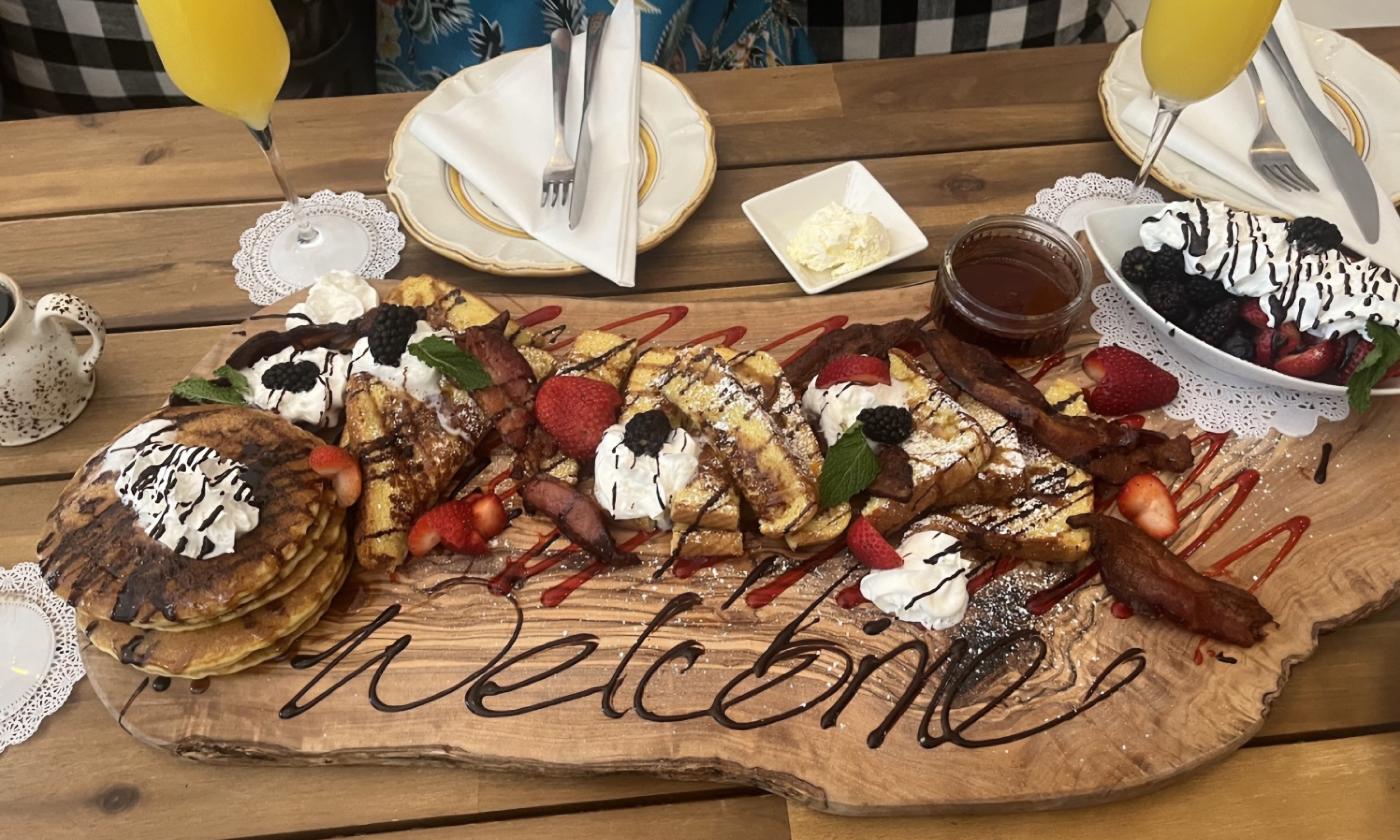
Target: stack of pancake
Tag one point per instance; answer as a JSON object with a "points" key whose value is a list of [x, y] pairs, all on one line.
{"points": [[174, 615]]}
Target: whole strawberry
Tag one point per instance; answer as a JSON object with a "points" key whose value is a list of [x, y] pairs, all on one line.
{"points": [[576, 411], [1126, 382]]}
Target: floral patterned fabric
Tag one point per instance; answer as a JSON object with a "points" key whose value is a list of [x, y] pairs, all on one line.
{"points": [[422, 42]]}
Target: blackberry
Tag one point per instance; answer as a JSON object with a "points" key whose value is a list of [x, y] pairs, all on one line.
{"points": [[1215, 323], [1203, 291], [1170, 299], [1144, 267], [1313, 235], [1239, 345], [291, 376], [647, 432], [886, 423], [389, 335]]}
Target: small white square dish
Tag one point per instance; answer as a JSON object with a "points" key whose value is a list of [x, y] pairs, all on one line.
{"points": [[778, 213]]}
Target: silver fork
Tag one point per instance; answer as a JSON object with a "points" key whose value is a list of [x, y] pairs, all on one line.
{"points": [[558, 180], [1268, 155]]}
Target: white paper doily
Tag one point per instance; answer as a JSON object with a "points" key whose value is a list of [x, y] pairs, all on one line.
{"points": [[1214, 400], [255, 271], [1072, 198], [24, 585]]}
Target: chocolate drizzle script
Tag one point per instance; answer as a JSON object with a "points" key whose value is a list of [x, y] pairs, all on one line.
{"points": [[944, 678]]}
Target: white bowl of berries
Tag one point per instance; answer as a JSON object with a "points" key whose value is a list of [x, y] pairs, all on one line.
{"points": [[1267, 300]]}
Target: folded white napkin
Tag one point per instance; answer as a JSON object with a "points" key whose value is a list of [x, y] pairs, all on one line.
{"points": [[1216, 134], [501, 138]]}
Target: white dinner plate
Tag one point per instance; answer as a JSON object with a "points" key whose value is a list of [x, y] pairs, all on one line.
{"points": [[1361, 92], [1112, 233], [450, 216]]}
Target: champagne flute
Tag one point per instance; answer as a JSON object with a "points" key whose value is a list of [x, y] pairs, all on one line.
{"points": [[1191, 50], [232, 56]]}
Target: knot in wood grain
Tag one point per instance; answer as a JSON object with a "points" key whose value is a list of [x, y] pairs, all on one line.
{"points": [[118, 798], [961, 184]]}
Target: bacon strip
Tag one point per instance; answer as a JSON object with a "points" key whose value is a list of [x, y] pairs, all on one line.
{"points": [[576, 516], [856, 339], [1110, 451], [1153, 581], [510, 401]]}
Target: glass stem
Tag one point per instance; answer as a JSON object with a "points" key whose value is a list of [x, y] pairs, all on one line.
{"points": [[1167, 113], [306, 234]]}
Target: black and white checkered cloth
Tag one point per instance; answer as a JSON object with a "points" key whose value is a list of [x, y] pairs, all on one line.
{"points": [[842, 30], [78, 56]]}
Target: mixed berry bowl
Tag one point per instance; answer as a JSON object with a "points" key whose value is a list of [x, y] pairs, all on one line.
{"points": [[1230, 332]]}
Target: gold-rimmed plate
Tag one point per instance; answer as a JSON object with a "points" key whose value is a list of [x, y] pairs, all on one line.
{"points": [[449, 215], [1360, 91]]}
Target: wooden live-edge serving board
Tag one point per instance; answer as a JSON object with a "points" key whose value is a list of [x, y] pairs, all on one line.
{"points": [[576, 673]]}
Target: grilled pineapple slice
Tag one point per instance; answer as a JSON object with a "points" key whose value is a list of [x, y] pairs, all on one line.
{"points": [[946, 448], [779, 487]]}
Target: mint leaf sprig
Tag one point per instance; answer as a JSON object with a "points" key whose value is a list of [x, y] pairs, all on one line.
{"points": [[1383, 356], [451, 361], [228, 387], [849, 467]]}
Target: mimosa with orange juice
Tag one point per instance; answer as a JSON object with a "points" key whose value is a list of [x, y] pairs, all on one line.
{"points": [[1192, 49], [229, 55]]}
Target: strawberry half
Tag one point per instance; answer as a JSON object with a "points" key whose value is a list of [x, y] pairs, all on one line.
{"points": [[1126, 382], [1148, 504], [576, 411], [863, 370], [1311, 362], [342, 468], [449, 524], [488, 514], [1254, 314], [871, 549]]}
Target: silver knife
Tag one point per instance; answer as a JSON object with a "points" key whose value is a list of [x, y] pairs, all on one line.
{"points": [[597, 22], [1351, 175]]}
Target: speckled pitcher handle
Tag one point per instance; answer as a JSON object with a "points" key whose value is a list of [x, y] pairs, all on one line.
{"points": [[75, 310]]}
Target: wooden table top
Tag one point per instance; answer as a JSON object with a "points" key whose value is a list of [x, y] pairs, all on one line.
{"points": [[140, 213]]}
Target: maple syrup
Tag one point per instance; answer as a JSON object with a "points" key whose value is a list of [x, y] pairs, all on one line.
{"points": [[1015, 285]]}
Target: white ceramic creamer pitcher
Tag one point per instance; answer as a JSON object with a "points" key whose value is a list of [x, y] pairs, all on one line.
{"points": [[45, 383]]}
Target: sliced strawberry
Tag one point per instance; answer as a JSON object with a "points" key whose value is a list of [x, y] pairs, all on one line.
{"points": [[342, 468], [576, 411], [1147, 502], [1254, 314], [1311, 362], [863, 370], [450, 524], [1127, 382], [488, 514], [1359, 353], [867, 546]]}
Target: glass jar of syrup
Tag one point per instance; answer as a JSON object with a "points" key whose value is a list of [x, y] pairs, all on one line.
{"points": [[1015, 285]]}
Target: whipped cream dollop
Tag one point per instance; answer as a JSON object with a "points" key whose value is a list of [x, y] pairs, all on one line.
{"points": [[1325, 294], [836, 408], [839, 240], [320, 405], [420, 380], [632, 486], [188, 498], [336, 297], [930, 588]]}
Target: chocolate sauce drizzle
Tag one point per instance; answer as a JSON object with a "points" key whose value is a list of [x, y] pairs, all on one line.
{"points": [[1320, 475], [789, 655]]}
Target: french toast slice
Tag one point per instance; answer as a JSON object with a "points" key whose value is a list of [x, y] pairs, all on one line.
{"points": [[779, 487], [1034, 525], [1003, 476], [407, 457], [946, 449], [447, 307], [710, 500], [763, 377]]}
